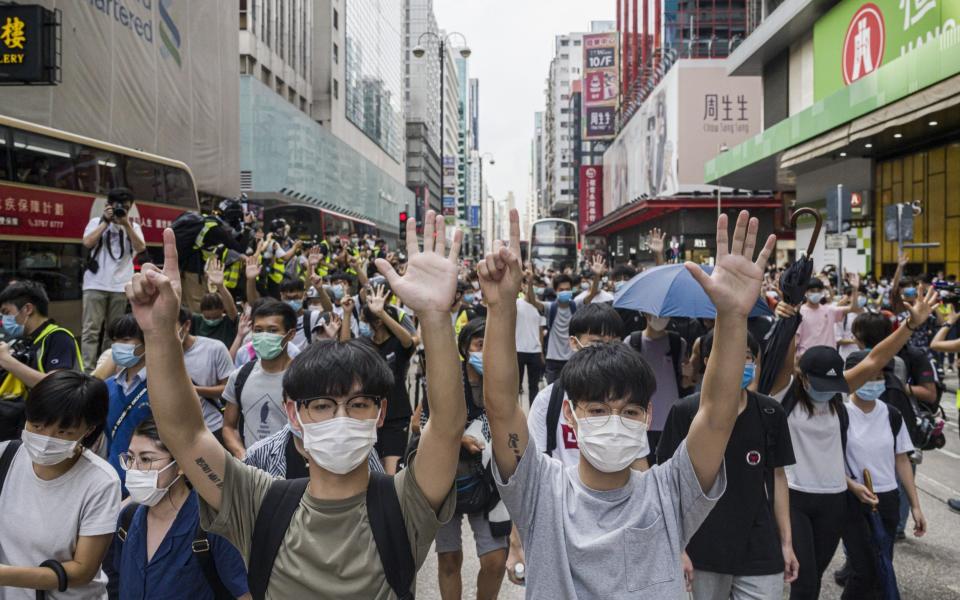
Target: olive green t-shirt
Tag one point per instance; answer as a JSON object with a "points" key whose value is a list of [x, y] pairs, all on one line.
{"points": [[328, 550]]}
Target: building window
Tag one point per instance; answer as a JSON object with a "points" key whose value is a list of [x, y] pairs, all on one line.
{"points": [[265, 76], [336, 19], [576, 42], [336, 89], [243, 15], [336, 54], [564, 42], [564, 111]]}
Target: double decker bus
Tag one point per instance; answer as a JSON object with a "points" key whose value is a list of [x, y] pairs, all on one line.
{"points": [[53, 182], [554, 244], [313, 222]]}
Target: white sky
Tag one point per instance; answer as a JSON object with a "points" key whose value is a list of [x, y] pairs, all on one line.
{"points": [[512, 43]]}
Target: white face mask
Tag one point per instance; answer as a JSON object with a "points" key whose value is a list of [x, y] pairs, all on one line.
{"points": [[658, 323], [341, 444], [142, 485], [608, 444], [46, 450]]}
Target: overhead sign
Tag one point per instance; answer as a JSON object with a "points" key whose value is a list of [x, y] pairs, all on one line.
{"points": [[600, 86], [857, 37], [591, 195], [27, 44], [837, 241]]}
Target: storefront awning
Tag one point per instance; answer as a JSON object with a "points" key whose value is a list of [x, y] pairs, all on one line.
{"points": [[640, 211]]}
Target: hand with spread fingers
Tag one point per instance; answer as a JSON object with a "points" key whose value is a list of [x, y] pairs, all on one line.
{"points": [[214, 272], [501, 272], [921, 310], [376, 300], [430, 281], [253, 267]]}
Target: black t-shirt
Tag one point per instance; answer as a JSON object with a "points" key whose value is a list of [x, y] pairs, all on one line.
{"points": [[225, 331], [632, 320], [754, 450], [919, 369], [296, 463], [59, 350], [398, 357]]}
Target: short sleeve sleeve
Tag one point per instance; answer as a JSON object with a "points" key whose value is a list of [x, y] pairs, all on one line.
{"points": [[228, 392], [421, 520], [91, 226], [59, 352], [903, 443], [230, 566], [521, 492], [782, 455], [99, 513], [690, 502], [223, 363]]}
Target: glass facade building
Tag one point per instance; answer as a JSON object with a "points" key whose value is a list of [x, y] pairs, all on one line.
{"points": [[374, 66]]}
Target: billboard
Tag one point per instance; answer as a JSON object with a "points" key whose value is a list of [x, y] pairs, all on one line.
{"points": [[693, 112], [157, 75], [591, 195], [27, 44], [857, 37], [601, 85]]}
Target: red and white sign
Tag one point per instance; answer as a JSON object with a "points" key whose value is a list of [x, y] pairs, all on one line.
{"points": [[864, 43], [591, 195], [569, 437]]}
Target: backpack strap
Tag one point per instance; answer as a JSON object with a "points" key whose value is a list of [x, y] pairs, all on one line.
{"points": [[390, 535], [552, 315], [636, 340], [553, 416], [844, 417], [307, 330], [201, 551], [896, 422], [126, 520], [273, 519], [6, 459], [242, 376]]}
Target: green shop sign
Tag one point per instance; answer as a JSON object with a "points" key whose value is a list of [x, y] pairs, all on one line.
{"points": [[857, 37]]}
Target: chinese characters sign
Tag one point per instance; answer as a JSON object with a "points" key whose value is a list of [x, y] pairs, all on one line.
{"points": [[26, 44], [600, 86], [857, 37], [591, 195]]}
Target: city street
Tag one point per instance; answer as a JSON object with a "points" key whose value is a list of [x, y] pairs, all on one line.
{"points": [[924, 566]]}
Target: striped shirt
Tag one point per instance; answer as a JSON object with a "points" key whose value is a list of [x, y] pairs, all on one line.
{"points": [[270, 455]]}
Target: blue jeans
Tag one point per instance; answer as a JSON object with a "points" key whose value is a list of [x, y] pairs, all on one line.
{"points": [[904, 503]]}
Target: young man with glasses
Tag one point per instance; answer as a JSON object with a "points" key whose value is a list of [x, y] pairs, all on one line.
{"points": [[604, 530], [329, 546]]}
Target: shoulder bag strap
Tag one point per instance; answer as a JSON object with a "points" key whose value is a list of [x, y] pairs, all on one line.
{"points": [[6, 459], [553, 416], [201, 551], [390, 535], [281, 501], [126, 520], [127, 409]]}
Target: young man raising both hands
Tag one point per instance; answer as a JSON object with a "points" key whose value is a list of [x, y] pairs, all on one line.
{"points": [[337, 390], [601, 530]]}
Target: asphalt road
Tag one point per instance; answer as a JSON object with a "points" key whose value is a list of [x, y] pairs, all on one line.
{"points": [[925, 566]]}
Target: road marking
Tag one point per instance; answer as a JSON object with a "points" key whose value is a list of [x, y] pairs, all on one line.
{"points": [[948, 453], [953, 493]]}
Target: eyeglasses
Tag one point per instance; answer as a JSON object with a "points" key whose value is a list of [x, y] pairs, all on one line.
{"points": [[631, 415], [129, 461], [324, 408]]}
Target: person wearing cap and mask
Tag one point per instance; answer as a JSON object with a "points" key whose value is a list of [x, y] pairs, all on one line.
{"points": [[819, 321], [60, 500], [811, 397], [159, 547]]}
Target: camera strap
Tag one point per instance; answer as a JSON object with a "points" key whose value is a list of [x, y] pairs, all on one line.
{"points": [[110, 245]]}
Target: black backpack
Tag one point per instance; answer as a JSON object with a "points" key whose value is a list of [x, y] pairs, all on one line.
{"points": [[676, 354], [186, 228], [242, 376], [201, 551], [386, 521], [553, 416]]}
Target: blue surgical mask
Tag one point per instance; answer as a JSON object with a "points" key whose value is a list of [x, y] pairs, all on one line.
{"points": [[871, 390], [815, 297], [861, 301], [337, 291], [365, 330], [584, 285], [476, 361], [564, 297], [749, 372], [11, 327], [124, 354], [819, 397], [910, 292], [539, 291], [468, 298], [295, 304], [618, 284]]}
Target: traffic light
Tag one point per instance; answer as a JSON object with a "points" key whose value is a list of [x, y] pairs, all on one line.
{"points": [[403, 225]]}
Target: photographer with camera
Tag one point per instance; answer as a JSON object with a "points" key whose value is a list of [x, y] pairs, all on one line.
{"points": [[112, 240]]}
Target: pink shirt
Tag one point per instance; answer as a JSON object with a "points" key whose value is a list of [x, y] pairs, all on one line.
{"points": [[818, 327]]}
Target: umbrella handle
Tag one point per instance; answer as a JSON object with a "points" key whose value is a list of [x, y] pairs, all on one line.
{"points": [[868, 481], [806, 210]]}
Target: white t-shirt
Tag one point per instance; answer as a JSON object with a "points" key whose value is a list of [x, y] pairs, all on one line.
{"points": [[208, 361], [870, 445], [528, 327], [41, 520], [819, 452], [602, 296], [114, 273]]}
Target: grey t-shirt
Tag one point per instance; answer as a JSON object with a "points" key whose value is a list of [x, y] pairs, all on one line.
{"points": [[558, 344], [261, 403], [208, 362], [657, 354], [617, 544]]}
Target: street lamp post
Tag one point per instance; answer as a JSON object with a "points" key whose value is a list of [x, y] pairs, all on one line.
{"points": [[723, 148], [419, 51]]}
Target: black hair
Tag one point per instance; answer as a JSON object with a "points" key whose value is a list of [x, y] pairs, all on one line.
{"points": [[125, 327], [474, 329], [706, 345], [211, 302], [602, 372], [290, 284], [274, 308], [562, 278], [871, 328], [148, 428], [23, 292], [185, 315], [623, 272], [341, 276], [67, 399], [333, 368], [597, 319], [815, 284]]}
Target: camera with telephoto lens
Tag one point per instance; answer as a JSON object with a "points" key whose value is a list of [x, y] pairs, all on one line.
{"points": [[117, 199], [119, 210], [949, 292]]}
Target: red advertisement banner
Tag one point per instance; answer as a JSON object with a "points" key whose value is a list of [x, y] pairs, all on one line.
{"points": [[591, 195]]}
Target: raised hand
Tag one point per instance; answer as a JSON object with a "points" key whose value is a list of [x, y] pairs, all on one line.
{"points": [[244, 325], [430, 281], [501, 272], [313, 258], [921, 309], [655, 240], [253, 267], [376, 300], [332, 328], [854, 280], [598, 265], [734, 285], [214, 271], [154, 294]]}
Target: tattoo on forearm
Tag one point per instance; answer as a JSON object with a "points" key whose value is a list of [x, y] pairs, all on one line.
{"points": [[513, 442], [211, 475]]}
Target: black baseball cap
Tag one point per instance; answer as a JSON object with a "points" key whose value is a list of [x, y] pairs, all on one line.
{"points": [[823, 367]]}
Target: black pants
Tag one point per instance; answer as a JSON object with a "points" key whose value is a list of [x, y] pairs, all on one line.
{"points": [[553, 369], [533, 362], [861, 549], [817, 521]]}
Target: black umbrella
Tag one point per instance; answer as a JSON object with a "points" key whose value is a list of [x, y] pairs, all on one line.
{"points": [[883, 547], [793, 287]]}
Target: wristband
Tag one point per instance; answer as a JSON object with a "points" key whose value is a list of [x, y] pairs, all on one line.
{"points": [[57, 568], [912, 328]]}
